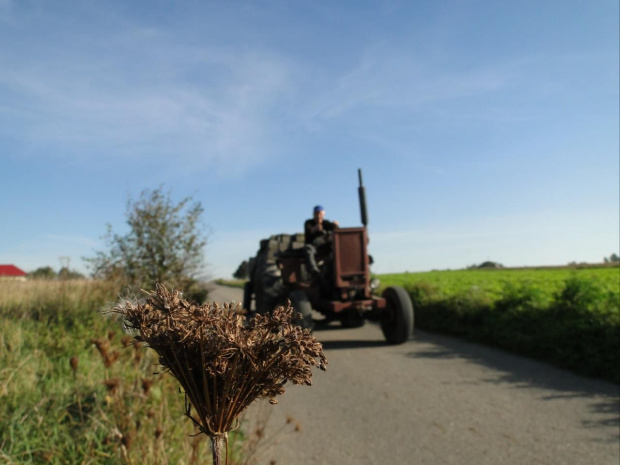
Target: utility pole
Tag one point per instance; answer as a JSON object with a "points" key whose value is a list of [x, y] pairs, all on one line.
{"points": [[65, 262]]}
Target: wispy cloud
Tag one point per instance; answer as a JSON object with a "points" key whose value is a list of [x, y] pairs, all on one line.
{"points": [[204, 105], [132, 90], [385, 78], [142, 90]]}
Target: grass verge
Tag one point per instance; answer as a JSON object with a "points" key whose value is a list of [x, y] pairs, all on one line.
{"points": [[74, 390]]}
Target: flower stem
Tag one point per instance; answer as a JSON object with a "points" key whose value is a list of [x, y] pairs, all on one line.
{"points": [[219, 449]]}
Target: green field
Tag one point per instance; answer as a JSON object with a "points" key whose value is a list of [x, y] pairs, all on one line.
{"points": [[238, 283], [492, 283], [570, 317]]}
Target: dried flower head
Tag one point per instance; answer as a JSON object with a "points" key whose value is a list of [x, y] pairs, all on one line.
{"points": [[112, 384], [127, 439], [74, 362], [103, 346], [146, 385], [222, 361]]}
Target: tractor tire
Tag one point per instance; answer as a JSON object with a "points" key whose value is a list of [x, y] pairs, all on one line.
{"points": [[397, 316], [350, 319], [247, 296], [269, 289], [301, 304], [270, 294]]}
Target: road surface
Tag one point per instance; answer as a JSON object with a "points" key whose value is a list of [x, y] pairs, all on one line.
{"points": [[437, 400]]}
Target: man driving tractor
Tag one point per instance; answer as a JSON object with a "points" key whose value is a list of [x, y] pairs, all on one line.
{"points": [[317, 237], [330, 274]]}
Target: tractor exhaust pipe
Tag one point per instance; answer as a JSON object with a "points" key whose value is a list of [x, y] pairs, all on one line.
{"points": [[362, 196]]}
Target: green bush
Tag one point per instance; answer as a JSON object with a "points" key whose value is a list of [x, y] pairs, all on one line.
{"points": [[577, 326]]}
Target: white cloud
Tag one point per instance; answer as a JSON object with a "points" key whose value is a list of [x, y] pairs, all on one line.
{"points": [[214, 107], [389, 79]]}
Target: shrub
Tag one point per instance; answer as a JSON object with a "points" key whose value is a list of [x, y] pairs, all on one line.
{"points": [[576, 327], [165, 243]]}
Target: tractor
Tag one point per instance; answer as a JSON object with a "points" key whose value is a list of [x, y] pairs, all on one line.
{"points": [[342, 291]]}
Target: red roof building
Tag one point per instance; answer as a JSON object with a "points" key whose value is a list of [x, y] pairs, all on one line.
{"points": [[11, 271]]}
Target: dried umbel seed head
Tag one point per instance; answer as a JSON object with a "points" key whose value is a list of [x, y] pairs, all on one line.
{"points": [[44, 456], [137, 353], [110, 358], [222, 361], [127, 439], [74, 361], [102, 346], [112, 384], [146, 385]]}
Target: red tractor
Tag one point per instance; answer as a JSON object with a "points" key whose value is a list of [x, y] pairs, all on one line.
{"points": [[343, 290]]}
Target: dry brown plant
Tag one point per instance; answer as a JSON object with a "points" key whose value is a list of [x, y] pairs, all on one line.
{"points": [[222, 361]]}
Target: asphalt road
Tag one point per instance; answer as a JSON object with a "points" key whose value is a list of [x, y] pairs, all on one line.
{"points": [[438, 400]]}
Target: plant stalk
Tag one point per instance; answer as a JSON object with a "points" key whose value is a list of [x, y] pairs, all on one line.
{"points": [[219, 446]]}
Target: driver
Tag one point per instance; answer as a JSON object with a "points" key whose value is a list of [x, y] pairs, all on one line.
{"points": [[316, 231]]}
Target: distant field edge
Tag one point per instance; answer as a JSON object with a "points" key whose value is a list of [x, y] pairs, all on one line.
{"points": [[238, 283]]}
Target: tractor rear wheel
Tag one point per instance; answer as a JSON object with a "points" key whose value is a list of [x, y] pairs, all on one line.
{"points": [[301, 304], [247, 296], [397, 316]]}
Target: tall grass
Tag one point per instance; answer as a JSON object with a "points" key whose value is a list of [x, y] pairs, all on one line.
{"points": [[74, 390]]}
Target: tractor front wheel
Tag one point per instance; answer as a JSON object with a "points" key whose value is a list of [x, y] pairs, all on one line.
{"points": [[397, 316]]}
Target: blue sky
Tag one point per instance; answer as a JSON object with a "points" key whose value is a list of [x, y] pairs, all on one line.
{"points": [[486, 130]]}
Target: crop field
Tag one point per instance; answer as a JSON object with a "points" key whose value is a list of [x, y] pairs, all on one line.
{"points": [[74, 390], [493, 283], [570, 317]]}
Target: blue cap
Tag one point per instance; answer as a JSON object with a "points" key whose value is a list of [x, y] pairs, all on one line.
{"points": [[318, 208]]}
